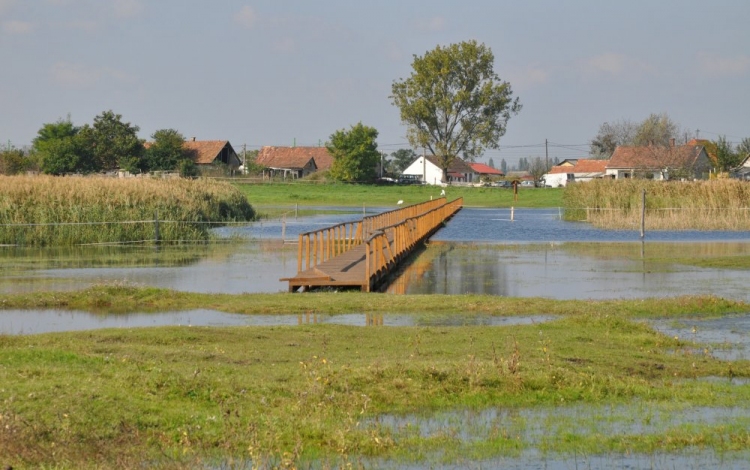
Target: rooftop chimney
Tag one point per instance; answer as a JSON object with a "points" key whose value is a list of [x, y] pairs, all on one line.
{"points": [[193, 139]]}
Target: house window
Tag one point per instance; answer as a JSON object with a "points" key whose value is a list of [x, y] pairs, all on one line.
{"points": [[626, 175]]}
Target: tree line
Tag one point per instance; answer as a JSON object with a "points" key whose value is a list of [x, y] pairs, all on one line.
{"points": [[108, 144]]}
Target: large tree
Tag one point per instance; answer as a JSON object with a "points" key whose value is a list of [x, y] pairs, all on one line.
{"points": [[61, 149], [166, 151], [453, 103], [355, 154], [115, 143], [656, 129]]}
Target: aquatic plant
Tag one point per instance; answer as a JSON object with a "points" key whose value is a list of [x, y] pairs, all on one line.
{"points": [[59, 211]]}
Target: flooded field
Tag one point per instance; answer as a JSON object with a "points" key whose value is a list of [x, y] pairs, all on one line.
{"points": [[480, 251]]}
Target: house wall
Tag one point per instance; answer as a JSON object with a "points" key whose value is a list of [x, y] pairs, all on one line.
{"points": [[426, 170], [555, 180]]}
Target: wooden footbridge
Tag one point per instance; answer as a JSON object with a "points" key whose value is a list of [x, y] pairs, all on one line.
{"points": [[362, 254]]}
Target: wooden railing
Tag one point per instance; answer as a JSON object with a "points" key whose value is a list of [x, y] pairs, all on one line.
{"points": [[386, 247], [321, 245]]}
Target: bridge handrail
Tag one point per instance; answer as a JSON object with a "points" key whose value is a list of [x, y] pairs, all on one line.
{"points": [[318, 246], [380, 253]]}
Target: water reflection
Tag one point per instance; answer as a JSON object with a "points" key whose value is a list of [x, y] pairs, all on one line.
{"points": [[479, 251], [726, 338], [27, 322]]}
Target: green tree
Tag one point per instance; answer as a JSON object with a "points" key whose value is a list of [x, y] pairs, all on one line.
{"points": [[503, 166], [743, 148], [166, 151], [454, 103], [114, 143], [355, 154], [60, 149], [726, 156], [12, 161], [491, 163], [657, 129], [402, 158]]}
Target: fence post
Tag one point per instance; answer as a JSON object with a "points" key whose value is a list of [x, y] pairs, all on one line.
{"points": [[512, 213], [157, 238], [643, 214], [283, 229]]}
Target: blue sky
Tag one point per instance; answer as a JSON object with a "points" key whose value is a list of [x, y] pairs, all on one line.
{"points": [[278, 72]]}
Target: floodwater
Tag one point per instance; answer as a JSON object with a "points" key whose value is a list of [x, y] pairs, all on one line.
{"points": [[484, 251]]}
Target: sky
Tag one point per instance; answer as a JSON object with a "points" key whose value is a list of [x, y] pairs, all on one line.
{"points": [[293, 72]]}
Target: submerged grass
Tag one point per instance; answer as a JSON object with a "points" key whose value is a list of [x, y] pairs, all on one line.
{"points": [[60, 211], [695, 205], [124, 298], [286, 397]]}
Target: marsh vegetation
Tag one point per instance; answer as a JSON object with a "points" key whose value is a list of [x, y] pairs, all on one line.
{"points": [[61, 211], [722, 204]]}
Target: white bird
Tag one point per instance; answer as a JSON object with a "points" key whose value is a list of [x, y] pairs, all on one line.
{"points": [[401, 201]]}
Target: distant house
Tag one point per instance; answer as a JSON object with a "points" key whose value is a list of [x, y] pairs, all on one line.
{"points": [[294, 162], [429, 171], [742, 172], [659, 162], [486, 171], [208, 152], [572, 170]]}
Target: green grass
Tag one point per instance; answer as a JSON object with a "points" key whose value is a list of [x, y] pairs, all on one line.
{"points": [[288, 396], [355, 195], [125, 298]]}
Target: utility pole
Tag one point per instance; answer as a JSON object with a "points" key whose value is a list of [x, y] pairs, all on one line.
{"points": [[244, 159], [546, 156]]}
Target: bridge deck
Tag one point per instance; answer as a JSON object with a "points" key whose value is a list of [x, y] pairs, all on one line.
{"points": [[338, 256]]}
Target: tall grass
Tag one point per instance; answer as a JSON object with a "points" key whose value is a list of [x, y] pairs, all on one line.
{"points": [[56, 211], [695, 205]]}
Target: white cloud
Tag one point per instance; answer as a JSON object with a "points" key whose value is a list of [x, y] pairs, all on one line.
{"points": [[127, 8], [431, 25], [724, 66], [616, 65], [246, 17], [17, 27], [85, 76], [526, 77]]}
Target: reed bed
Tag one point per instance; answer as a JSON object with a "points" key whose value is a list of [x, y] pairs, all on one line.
{"points": [[694, 205], [63, 211]]}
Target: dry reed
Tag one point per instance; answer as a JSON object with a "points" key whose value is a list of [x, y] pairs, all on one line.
{"points": [[56, 211], [694, 205]]}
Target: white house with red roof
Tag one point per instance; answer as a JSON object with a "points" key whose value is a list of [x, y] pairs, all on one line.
{"points": [[486, 171], [427, 170], [575, 170]]}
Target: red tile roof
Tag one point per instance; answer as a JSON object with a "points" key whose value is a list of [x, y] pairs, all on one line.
{"points": [[205, 151], [581, 166], [294, 157], [654, 157], [483, 169]]}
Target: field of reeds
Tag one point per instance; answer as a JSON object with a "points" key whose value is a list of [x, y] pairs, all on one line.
{"points": [[63, 211], [670, 205]]}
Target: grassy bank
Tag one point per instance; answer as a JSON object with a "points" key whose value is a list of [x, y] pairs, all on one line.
{"points": [[697, 205], [283, 397], [125, 298], [57, 211], [354, 195]]}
